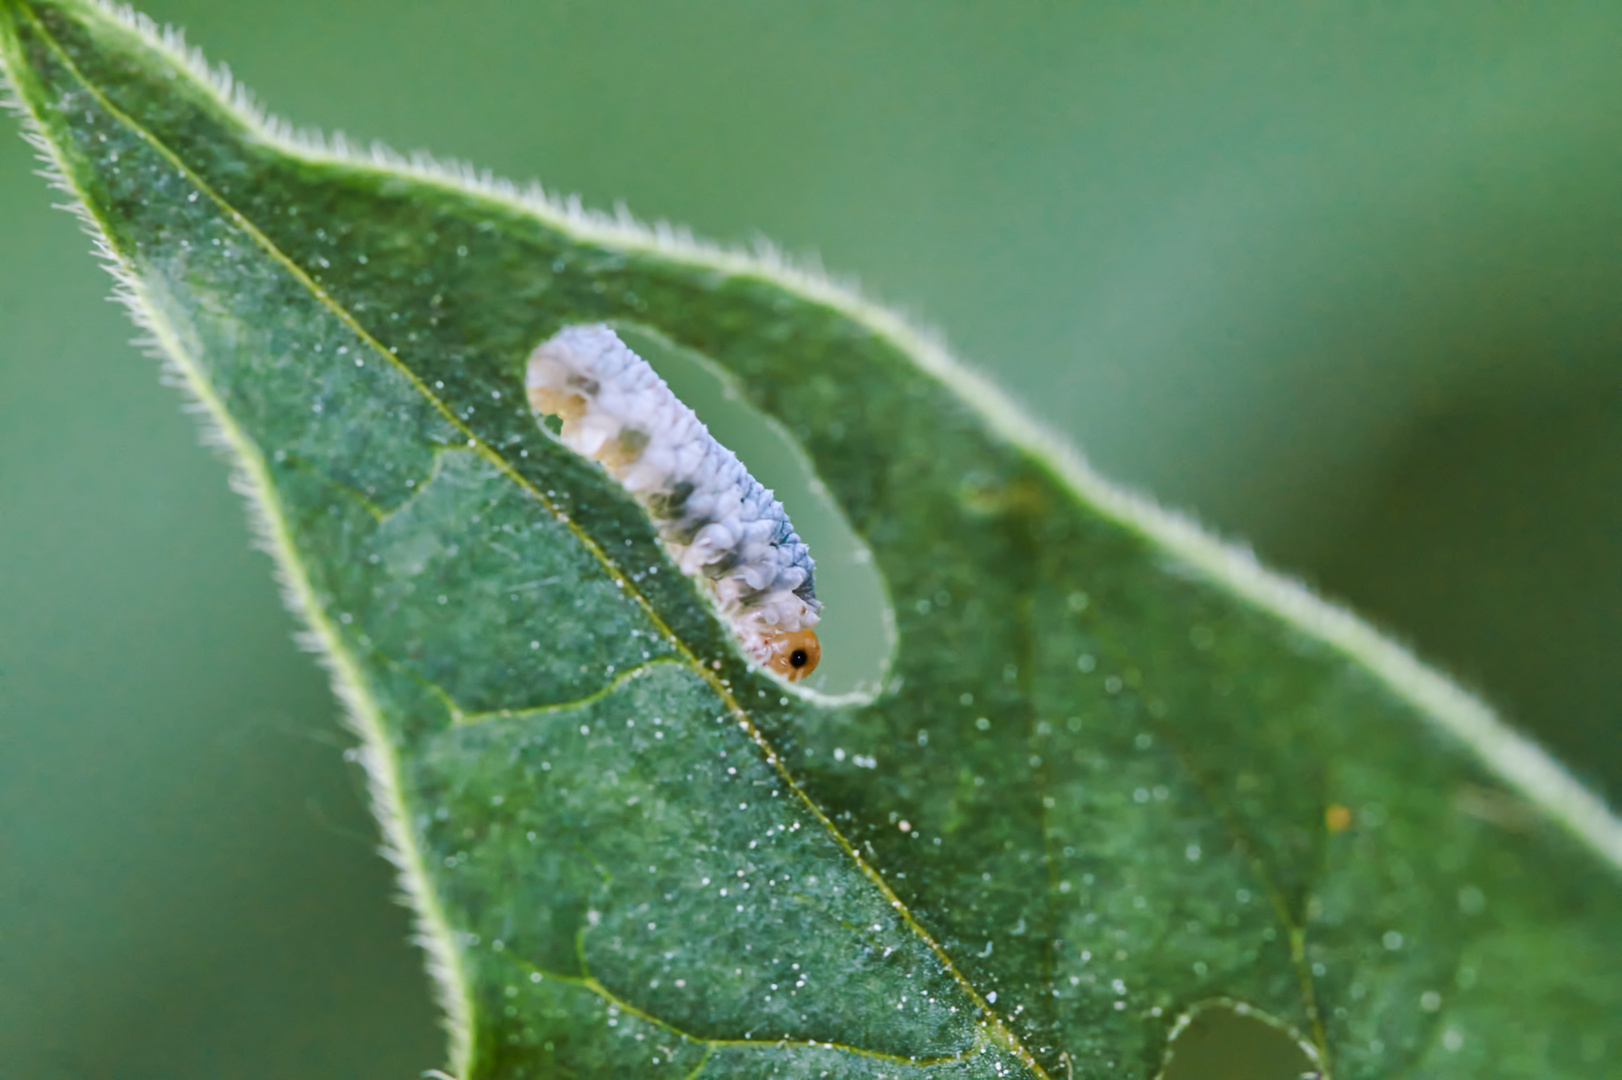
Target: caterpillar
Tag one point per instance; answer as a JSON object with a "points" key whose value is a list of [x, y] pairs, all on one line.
{"points": [[718, 523]]}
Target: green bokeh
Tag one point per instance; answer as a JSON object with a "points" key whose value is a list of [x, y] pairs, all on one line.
{"points": [[1342, 279]]}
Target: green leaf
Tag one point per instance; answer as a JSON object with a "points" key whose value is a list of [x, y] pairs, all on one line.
{"points": [[1116, 775]]}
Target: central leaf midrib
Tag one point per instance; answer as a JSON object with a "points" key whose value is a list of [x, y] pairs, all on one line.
{"points": [[993, 1021]]}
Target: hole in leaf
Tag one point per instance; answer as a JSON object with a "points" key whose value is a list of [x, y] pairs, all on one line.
{"points": [[1221, 1043], [855, 629]]}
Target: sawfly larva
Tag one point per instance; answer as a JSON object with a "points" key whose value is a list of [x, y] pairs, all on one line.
{"points": [[717, 522]]}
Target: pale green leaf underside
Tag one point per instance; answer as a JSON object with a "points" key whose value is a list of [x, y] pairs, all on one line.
{"points": [[1090, 798]]}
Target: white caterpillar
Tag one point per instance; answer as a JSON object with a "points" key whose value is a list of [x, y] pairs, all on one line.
{"points": [[718, 523]]}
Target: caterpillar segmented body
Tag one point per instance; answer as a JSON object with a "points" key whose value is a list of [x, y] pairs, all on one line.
{"points": [[717, 522]]}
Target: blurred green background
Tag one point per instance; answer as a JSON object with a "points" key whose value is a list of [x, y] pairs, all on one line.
{"points": [[1344, 280]]}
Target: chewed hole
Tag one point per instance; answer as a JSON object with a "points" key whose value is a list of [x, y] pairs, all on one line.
{"points": [[854, 631], [1221, 1043]]}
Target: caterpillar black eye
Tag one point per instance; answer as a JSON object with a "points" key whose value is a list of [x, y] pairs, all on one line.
{"points": [[799, 658]]}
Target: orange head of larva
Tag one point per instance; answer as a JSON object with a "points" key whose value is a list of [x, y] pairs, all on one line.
{"points": [[794, 653]]}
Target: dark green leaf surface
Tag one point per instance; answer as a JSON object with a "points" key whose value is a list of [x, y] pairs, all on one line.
{"points": [[1094, 796]]}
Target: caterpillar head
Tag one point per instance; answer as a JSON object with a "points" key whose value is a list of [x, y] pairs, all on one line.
{"points": [[793, 654]]}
